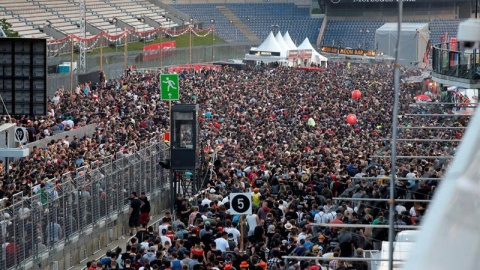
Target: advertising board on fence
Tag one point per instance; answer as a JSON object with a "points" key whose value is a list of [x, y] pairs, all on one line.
{"points": [[151, 52], [347, 51], [299, 54]]}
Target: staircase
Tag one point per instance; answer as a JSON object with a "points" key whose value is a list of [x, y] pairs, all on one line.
{"points": [[239, 24], [322, 30]]}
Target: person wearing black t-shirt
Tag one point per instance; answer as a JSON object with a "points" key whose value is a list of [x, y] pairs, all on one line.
{"points": [[134, 220]]}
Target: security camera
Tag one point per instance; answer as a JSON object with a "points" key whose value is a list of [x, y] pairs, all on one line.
{"points": [[469, 33]]}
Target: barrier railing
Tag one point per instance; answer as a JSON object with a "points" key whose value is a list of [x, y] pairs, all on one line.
{"points": [[453, 59], [32, 226]]}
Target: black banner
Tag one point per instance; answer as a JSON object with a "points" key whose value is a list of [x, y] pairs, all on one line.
{"points": [[264, 53], [347, 51]]}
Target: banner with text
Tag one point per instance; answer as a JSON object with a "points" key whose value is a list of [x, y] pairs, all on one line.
{"points": [[151, 52], [299, 54], [347, 51]]}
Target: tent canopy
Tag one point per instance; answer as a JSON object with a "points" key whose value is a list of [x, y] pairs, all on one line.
{"points": [[270, 44], [413, 41], [306, 45], [282, 44], [289, 42]]}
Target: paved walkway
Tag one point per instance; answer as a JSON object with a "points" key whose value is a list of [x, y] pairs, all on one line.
{"points": [[121, 243]]}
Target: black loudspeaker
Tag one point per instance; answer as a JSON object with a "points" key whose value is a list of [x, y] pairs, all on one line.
{"points": [[23, 76], [184, 137]]}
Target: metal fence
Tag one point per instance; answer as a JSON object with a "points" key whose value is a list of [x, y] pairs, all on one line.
{"points": [[114, 63], [34, 226], [454, 59]]}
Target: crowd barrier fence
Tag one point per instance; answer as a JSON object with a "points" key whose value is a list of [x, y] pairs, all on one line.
{"points": [[36, 229]]}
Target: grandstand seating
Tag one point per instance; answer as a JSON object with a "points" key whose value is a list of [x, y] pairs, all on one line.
{"points": [[28, 16], [258, 17], [20, 25], [353, 33], [143, 8], [205, 12], [440, 27]]}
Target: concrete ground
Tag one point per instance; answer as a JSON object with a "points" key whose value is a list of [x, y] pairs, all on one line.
{"points": [[154, 220]]}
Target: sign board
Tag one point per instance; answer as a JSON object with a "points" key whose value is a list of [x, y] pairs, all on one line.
{"points": [[21, 135], [169, 86], [347, 51], [240, 203]]}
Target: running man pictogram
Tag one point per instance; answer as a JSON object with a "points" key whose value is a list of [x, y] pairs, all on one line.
{"points": [[170, 84]]}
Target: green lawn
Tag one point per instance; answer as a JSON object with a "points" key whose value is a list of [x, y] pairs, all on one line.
{"points": [[182, 41]]}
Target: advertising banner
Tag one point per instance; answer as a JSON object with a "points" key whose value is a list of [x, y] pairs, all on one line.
{"points": [[151, 52], [347, 51]]}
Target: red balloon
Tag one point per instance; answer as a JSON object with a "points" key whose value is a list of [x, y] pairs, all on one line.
{"points": [[351, 119], [217, 125], [356, 94]]}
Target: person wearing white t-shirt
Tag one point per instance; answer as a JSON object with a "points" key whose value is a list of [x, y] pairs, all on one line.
{"points": [[400, 208], [207, 200], [163, 226], [320, 217], [222, 243], [412, 211], [231, 229], [165, 239]]}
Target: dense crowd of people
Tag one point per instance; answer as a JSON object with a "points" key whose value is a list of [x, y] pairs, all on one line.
{"points": [[279, 133]]}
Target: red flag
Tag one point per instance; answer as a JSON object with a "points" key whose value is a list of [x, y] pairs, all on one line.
{"points": [[427, 51], [446, 37]]}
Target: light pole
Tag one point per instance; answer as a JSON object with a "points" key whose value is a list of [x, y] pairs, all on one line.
{"points": [[274, 26], [190, 28], [213, 37], [48, 23], [231, 21], [366, 36], [161, 34], [114, 21], [364, 33]]}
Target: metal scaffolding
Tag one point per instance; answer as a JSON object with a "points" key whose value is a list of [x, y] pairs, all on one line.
{"points": [[83, 34]]}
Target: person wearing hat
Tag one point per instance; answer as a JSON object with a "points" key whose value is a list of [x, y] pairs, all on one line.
{"points": [[228, 267], [150, 255], [244, 265], [288, 226]]}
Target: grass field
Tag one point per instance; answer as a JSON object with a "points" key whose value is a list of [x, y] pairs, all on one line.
{"points": [[182, 41]]}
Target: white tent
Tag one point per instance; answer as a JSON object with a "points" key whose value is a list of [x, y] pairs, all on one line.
{"points": [[316, 57], [269, 51], [282, 44], [289, 42], [270, 44], [413, 41]]}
